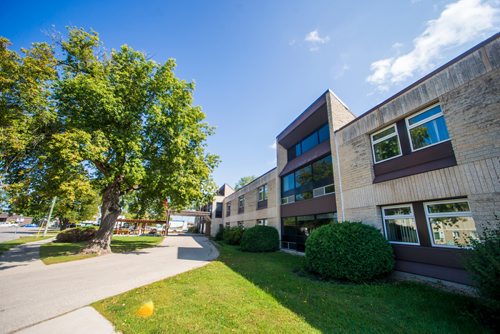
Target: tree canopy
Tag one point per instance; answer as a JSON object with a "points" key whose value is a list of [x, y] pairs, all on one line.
{"points": [[244, 181], [115, 122]]}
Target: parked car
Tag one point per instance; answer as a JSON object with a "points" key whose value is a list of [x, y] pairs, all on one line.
{"points": [[30, 225]]}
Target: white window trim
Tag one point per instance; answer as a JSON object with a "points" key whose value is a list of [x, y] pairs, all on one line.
{"points": [[412, 215], [396, 133], [425, 120], [440, 215], [325, 193]]}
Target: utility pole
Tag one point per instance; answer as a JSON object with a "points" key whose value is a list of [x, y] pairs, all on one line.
{"points": [[50, 215]]}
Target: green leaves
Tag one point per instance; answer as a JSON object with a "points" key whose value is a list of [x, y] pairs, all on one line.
{"points": [[73, 125]]}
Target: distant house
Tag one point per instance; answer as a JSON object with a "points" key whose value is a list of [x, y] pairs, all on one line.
{"points": [[14, 218]]}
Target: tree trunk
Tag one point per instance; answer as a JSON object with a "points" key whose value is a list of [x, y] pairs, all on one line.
{"points": [[110, 211], [64, 223]]}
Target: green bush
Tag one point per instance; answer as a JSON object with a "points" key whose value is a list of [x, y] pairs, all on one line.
{"points": [[260, 239], [232, 235], [193, 229], [76, 234], [483, 264], [348, 251], [219, 236]]}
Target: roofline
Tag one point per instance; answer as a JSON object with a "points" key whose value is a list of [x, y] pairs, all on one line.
{"points": [[257, 178], [419, 81], [302, 113]]}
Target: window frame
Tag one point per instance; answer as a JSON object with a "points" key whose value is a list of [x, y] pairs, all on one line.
{"points": [[241, 203], [228, 208], [447, 214], [384, 217], [396, 133], [429, 119], [264, 189]]}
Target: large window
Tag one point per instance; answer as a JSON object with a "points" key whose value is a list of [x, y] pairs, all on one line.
{"points": [[228, 209], [218, 210], [310, 181], [295, 230], [241, 204], [263, 193], [385, 144], [427, 128], [450, 223], [399, 224], [309, 142]]}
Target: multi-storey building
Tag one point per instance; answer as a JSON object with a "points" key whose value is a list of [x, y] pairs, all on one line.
{"points": [[423, 167]]}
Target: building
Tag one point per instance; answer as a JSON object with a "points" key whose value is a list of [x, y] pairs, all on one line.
{"points": [[215, 208], [423, 167], [253, 204]]}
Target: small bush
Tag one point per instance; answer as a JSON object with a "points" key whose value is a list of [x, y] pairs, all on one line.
{"points": [[219, 236], [348, 251], [193, 229], [260, 239], [76, 234], [483, 264], [232, 235]]}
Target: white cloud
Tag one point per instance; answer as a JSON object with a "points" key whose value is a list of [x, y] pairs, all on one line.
{"points": [[273, 146], [315, 40], [459, 23]]}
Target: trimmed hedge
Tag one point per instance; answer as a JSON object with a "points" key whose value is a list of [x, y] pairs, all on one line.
{"points": [[76, 234], [260, 239], [349, 251], [232, 235], [219, 236]]}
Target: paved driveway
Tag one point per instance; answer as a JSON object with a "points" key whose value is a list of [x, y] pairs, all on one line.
{"points": [[31, 292]]}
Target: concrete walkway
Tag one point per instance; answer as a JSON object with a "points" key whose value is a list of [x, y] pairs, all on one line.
{"points": [[33, 293]]}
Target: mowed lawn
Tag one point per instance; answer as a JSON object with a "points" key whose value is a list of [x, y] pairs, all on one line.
{"points": [[268, 293], [58, 252]]}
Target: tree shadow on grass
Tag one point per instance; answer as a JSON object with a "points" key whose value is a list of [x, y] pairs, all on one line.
{"points": [[381, 307]]}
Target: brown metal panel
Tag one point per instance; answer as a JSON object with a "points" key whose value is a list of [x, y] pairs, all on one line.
{"points": [[421, 222], [438, 256], [322, 204], [426, 167], [444, 273]]}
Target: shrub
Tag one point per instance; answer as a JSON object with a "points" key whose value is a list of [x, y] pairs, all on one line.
{"points": [[193, 229], [232, 235], [76, 234], [219, 236], [483, 264], [260, 239], [348, 251]]}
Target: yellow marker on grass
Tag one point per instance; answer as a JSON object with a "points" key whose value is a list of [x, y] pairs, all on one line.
{"points": [[146, 310]]}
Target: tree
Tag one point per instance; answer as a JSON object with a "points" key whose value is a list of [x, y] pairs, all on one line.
{"points": [[243, 181], [127, 125]]}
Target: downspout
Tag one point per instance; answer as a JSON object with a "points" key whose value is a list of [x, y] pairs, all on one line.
{"points": [[340, 175]]}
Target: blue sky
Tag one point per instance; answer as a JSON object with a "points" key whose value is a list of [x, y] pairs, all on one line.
{"points": [[258, 64]]}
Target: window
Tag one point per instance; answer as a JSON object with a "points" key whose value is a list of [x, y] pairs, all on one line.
{"points": [[399, 224], [228, 209], [450, 223], [262, 222], [323, 177], [385, 144], [240, 224], [427, 128], [263, 193], [314, 139], [241, 204], [295, 230], [218, 210], [288, 189], [303, 183]]}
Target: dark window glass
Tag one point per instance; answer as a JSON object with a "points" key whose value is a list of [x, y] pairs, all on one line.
{"points": [[228, 209], [303, 183], [309, 142], [295, 230], [288, 182], [429, 133], [298, 150], [218, 210], [324, 133], [323, 172]]}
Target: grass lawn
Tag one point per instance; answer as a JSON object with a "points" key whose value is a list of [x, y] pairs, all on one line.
{"points": [[58, 252], [5, 246], [263, 293]]}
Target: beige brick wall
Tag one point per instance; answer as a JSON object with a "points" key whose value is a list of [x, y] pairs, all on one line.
{"points": [[469, 94], [251, 214]]}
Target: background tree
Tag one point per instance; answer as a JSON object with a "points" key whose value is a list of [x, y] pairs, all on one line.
{"points": [[125, 124], [243, 181]]}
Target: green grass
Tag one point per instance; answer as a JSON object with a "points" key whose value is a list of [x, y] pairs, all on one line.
{"points": [[5, 246], [58, 252], [265, 293]]}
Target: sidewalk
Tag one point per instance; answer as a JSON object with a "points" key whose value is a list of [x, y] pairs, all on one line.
{"points": [[35, 295]]}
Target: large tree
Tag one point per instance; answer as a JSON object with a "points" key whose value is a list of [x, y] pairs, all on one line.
{"points": [[244, 181], [127, 125]]}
